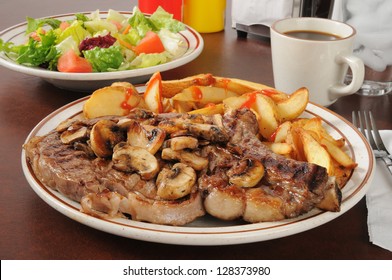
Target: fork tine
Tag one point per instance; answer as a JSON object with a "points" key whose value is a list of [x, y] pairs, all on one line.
{"points": [[369, 131], [361, 124], [354, 119], [378, 140]]}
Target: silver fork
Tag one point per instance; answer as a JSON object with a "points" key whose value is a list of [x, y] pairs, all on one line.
{"points": [[367, 125]]}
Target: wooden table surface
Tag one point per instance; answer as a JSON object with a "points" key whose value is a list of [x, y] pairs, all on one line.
{"points": [[31, 229]]}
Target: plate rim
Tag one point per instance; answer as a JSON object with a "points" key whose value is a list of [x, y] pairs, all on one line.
{"points": [[207, 236], [191, 54]]}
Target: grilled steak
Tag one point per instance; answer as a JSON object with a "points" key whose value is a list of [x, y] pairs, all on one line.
{"points": [[172, 168], [287, 189]]}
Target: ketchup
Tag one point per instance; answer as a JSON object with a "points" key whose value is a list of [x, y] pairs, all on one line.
{"points": [[196, 92], [125, 105], [251, 100]]}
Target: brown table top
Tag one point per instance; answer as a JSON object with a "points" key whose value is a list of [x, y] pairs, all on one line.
{"points": [[31, 229]]}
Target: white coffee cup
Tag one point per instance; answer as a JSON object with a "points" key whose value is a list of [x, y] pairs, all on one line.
{"points": [[319, 65]]}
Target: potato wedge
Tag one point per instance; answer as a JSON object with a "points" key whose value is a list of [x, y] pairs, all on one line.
{"points": [[153, 93], [209, 110], [280, 135], [204, 94], [295, 141], [315, 152], [266, 110], [242, 86], [315, 125], [182, 106], [171, 87], [338, 154], [112, 100], [235, 102], [279, 148], [294, 106]]}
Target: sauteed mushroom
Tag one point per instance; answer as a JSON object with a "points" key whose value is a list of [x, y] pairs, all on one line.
{"points": [[189, 158], [183, 142], [246, 173], [145, 136], [176, 182], [128, 158], [104, 135], [72, 135]]}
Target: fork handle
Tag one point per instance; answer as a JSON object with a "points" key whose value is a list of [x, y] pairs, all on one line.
{"points": [[388, 163]]}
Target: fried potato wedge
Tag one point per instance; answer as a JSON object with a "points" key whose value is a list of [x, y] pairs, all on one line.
{"points": [[204, 95], [338, 154], [284, 149], [242, 86], [266, 115], [183, 106], [315, 125], [209, 110], [112, 100], [171, 87], [280, 135], [153, 94], [295, 141], [315, 152], [293, 106], [235, 102]]}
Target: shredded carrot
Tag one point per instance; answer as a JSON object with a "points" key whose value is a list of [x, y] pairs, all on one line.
{"points": [[125, 44], [126, 30], [117, 24]]}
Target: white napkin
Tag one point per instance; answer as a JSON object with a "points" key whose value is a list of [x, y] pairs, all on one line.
{"points": [[249, 12], [379, 201]]}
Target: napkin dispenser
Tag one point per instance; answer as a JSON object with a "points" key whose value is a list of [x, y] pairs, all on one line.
{"points": [[256, 16]]}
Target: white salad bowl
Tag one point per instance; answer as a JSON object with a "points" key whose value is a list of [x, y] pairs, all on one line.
{"points": [[88, 82]]}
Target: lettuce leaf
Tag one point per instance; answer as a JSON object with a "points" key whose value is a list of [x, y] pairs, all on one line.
{"points": [[81, 17], [146, 60], [39, 53], [104, 59], [173, 43], [75, 30], [140, 23], [164, 20], [34, 24]]}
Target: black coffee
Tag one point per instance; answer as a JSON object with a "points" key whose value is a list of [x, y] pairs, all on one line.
{"points": [[312, 35]]}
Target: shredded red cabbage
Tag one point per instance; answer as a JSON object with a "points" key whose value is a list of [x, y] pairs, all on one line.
{"points": [[100, 41]]}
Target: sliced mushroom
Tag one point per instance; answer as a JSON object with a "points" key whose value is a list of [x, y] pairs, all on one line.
{"points": [[176, 182], [64, 125], [189, 158], [128, 158], [104, 135], [72, 135], [145, 136], [183, 142], [246, 173]]}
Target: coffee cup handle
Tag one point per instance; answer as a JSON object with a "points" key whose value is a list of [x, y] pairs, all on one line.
{"points": [[358, 74]]}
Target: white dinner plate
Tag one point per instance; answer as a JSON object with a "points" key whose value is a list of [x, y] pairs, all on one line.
{"points": [[88, 82], [207, 230]]}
